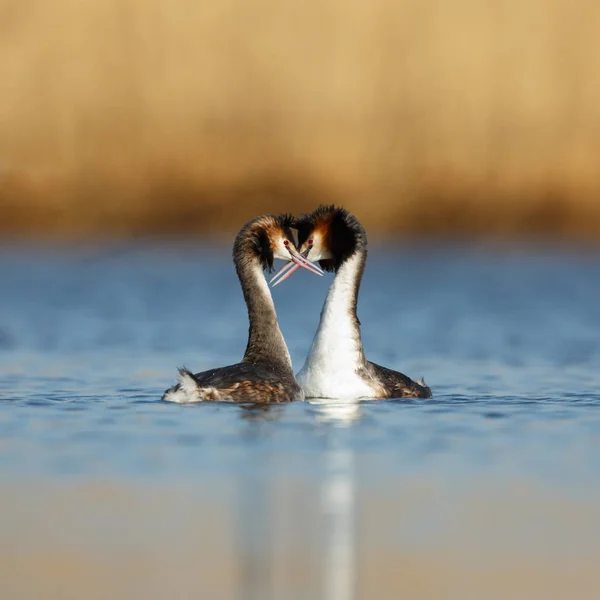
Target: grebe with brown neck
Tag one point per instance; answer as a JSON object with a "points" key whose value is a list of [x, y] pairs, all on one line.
{"points": [[265, 373], [336, 366]]}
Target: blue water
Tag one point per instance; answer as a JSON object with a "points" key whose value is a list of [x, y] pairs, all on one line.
{"points": [[488, 490], [508, 338]]}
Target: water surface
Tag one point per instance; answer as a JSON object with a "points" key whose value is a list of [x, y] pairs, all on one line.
{"points": [[491, 488]]}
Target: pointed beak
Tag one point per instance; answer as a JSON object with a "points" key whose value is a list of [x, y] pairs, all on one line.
{"points": [[297, 261], [283, 273]]}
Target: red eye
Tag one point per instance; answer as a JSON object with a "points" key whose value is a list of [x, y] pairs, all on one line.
{"points": [[286, 243], [310, 242]]}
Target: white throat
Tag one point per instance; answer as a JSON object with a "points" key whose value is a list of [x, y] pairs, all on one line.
{"points": [[330, 370]]}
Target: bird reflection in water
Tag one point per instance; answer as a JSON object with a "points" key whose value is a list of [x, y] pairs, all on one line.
{"points": [[337, 412], [338, 499], [261, 411], [257, 530]]}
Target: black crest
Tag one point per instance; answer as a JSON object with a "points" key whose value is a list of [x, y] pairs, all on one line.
{"points": [[343, 233], [262, 249], [286, 222], [255, 238]]}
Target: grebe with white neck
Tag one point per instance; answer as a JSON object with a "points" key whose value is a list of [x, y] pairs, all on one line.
{"points": [[336, 366], [265, 373]]}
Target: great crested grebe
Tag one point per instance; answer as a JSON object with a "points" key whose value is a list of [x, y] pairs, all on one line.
{"points": [[336, 366], [265, 373]]}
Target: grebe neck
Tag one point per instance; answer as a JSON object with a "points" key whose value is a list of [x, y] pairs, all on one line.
{"points": [[265, 340], [338, 338]]}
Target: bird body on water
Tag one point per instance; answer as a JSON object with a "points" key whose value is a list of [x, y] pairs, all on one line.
{"points": [[336, 366], [265, 372]]}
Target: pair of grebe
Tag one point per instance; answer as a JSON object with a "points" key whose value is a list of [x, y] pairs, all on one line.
{"points": [[336, 366]]}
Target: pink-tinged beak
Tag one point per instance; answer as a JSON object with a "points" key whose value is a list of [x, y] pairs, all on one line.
{"points": [[297, 261], [283, 273]]}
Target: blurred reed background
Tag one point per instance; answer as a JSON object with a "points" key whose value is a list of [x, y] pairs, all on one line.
{"points": [[423, 116]]}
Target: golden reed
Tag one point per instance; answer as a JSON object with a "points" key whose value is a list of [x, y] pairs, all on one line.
{"points": [[424, 116]]}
